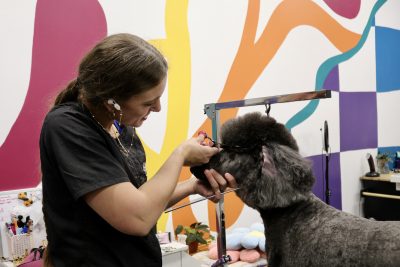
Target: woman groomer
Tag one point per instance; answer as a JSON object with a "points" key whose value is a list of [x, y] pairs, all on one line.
{"points": [[99, 208]]}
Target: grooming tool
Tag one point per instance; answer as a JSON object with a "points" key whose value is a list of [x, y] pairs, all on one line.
{"points": [[209, 138], [198, 200]]}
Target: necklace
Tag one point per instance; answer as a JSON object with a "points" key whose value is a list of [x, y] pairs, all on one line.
{"points": [[117, 134]]}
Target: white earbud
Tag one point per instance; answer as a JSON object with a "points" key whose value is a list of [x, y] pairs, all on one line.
{"points": [[115, 104]]}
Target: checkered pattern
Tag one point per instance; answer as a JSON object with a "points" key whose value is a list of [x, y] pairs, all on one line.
{"points": [[367, 116]]}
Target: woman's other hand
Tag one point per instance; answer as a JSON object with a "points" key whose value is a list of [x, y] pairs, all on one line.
{"points": [[216, 184]]}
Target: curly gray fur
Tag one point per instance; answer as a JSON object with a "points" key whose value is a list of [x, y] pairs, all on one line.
{"points": [[301, 230]]}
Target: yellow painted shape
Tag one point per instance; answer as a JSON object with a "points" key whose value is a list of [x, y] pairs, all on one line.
{"points": [[176, 48]]}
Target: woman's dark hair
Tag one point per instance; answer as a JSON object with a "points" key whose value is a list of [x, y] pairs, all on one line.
{"points": [[120, 66]]}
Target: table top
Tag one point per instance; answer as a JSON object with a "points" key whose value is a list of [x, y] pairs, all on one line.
{"points": [[383, 177], [172, 247]]}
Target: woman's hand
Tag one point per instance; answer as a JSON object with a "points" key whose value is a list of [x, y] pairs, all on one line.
{"points": [[217, 184], [196, 152]]}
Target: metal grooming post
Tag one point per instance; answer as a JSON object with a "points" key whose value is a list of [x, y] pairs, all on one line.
{"points": [[212, 111]]}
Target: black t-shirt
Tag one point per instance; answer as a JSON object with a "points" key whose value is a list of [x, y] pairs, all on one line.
{"points": [[78, 157]]}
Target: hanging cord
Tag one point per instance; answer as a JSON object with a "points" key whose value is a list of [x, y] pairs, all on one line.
{"points": [[327, 155], [267, 109], [323, 167]]}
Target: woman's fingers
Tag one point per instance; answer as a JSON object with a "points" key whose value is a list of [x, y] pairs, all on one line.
{"points": [[213, 183], [230, 180], [200, 138], [218, 182]]}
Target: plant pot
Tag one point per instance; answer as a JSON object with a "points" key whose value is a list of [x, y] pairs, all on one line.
{"points": [[193, 247]]}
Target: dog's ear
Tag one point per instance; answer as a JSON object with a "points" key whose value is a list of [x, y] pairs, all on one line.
{"points": [[286, 178], [268, 165]]}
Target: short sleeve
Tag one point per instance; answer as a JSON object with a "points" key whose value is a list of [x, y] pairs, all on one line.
{"points": [[81, 154]]}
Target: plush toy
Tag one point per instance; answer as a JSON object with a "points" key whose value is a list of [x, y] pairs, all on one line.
{"points": [[24, 196], [244, 244], [213, 253]]}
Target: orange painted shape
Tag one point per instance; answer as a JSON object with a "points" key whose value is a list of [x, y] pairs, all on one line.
{"points": [[252, 58]]}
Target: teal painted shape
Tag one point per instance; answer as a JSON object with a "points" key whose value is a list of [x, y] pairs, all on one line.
{"points": [[328, 65]]}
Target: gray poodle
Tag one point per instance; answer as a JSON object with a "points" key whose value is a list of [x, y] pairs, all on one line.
{"points": [[301, 230]]}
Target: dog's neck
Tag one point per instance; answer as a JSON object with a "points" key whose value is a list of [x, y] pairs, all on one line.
{"points": [[272, 216]]}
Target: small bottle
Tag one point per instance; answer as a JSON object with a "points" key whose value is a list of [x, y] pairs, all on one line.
{"points": [[397, 161]]}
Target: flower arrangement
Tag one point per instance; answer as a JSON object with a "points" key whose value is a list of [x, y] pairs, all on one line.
{"points": [[382, 160], [384, 157]]}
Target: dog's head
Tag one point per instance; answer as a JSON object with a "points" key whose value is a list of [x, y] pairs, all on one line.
{"points": [[263, 157]]}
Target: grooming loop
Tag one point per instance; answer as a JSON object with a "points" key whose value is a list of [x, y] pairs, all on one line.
{"points": [[212, 112], [267, 109]]}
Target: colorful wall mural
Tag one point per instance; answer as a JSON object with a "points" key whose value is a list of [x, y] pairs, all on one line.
{"points": [[217, 51]]}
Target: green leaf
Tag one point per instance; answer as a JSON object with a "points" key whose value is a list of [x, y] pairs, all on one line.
{"points": [[201, 240], [189, 230], [178, 229], [203, 226], [190, 239]]}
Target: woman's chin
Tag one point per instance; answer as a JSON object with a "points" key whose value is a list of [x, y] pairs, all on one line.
{"points": [[137, 124]]}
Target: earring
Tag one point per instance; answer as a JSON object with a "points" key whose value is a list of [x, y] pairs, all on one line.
{"points": [[120, 118]]}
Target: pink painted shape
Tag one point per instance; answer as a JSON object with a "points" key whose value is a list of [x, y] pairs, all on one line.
{"points": [[345, 8], [64, 31]]}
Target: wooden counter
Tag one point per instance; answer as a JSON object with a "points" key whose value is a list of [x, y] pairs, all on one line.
{"points": [[381, 196], [382, 178]]}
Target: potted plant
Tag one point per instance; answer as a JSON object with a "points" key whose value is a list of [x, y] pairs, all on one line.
{"points": [[382, 160], [194, 234]]}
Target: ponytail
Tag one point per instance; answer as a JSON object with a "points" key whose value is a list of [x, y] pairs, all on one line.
{"points": [[70, 93]]}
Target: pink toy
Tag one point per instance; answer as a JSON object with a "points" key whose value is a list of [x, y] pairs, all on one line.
{"points": [[249, 255], [235, 255], [213, 254]]}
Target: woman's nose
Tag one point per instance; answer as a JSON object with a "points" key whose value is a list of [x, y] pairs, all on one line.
{"points": [[157, 106]]}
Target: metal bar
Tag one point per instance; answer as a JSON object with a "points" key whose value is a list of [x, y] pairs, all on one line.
{"points": [[198, 200], [269, 100], [220, 212], [369, 194]]}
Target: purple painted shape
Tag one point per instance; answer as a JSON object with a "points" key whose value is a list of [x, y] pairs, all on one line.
{"points": [[358, 120], [335, 186], [346, 8], [64, 31], [332, 80]]}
